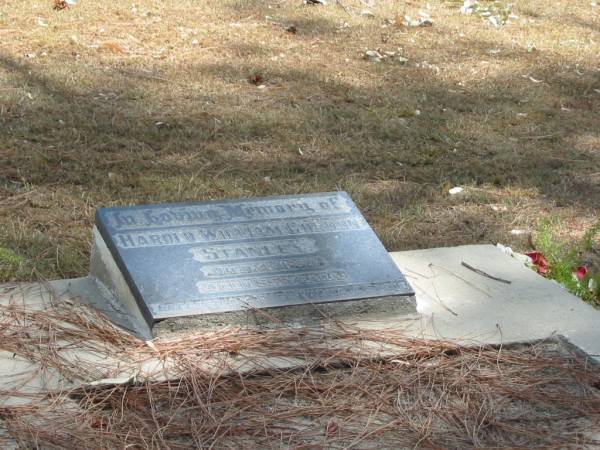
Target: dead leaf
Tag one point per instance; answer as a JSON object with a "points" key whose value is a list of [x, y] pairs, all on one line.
{"points": [[256, 79], [59, 5], [332, 428], [113, 47], [97, 422]]}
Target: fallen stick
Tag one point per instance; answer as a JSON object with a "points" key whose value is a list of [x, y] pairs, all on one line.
{"points": [[485, 274]]}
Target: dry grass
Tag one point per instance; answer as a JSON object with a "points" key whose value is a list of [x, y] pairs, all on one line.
{"points": [[80, 100], [336, 387]]}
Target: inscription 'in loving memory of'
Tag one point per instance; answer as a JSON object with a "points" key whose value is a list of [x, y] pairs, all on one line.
{"points": [[228, 212]]}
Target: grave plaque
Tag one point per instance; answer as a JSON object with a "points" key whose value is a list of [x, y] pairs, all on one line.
{"points": [[186, 259]]}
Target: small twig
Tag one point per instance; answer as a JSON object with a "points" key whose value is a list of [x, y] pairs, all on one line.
{"points": [[446, 307], [485, 274], [540, 138], [500, 348]]}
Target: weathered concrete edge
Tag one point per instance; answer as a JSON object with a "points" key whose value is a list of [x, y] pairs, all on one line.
{"points": [[113, 291], [84, 289], [585, 337], [297, 315], [532, 307]]}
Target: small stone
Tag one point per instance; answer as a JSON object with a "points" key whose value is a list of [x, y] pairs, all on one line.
{"points": [[516, 232], [373, 55]]}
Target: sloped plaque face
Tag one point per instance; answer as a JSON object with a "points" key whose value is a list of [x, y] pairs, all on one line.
{"points": [[218, 256]]}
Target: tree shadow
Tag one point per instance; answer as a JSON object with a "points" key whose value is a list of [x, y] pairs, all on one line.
{"points": [[306, 100], [129, 136]]}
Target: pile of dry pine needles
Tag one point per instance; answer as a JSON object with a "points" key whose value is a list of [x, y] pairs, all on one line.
{"points": [[334, 386]]}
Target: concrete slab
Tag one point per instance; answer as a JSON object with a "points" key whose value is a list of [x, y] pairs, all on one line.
{"points": [[458, 303]]}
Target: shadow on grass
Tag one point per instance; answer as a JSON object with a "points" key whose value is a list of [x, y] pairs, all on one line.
{"points": [[127, 137]]}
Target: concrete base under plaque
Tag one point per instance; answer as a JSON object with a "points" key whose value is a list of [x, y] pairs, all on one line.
{"points": [[295, 315], [112, 296]]}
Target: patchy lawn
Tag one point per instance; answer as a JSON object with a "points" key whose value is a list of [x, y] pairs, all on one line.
{"points": [[108, 103]]}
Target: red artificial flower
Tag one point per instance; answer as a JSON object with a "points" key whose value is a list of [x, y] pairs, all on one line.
{"points": [[539, 260], [580, 272]]}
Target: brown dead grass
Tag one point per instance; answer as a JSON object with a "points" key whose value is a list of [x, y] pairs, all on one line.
{"points": [[80, 100]]}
